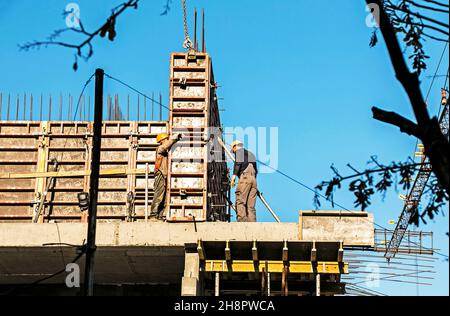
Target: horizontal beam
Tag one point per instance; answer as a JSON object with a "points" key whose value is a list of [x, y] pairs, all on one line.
{"points": [[295, 267], [71, 174]]}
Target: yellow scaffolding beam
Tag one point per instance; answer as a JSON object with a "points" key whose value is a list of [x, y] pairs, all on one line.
{"points": [[296, 267]]}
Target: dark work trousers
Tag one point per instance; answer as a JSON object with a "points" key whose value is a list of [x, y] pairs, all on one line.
{"points": [[157, 209], [246, 193]]}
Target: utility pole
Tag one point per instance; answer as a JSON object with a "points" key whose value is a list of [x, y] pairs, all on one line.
{"points": [[93, 188]]}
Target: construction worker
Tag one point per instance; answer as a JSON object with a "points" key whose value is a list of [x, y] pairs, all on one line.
{"points": [[161, 169], [247, 190]]}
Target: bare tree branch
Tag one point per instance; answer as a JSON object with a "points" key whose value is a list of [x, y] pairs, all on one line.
{"points": [[107, 28], [436, 145], [418, 15], [405, 125], [423, 25]]}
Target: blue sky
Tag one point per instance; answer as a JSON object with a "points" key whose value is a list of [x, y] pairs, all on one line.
{"points": [[302, 66]]}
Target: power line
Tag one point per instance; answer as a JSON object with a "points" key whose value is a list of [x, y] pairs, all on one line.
{"points": [[339, 205], [135, 90], [37, 282], [365, 290]]}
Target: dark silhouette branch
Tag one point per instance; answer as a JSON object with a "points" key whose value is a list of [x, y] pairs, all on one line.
{"points": [[107, 28], [418, 15], [436, 145], [394, 168], [422, 25], [405, 125]]}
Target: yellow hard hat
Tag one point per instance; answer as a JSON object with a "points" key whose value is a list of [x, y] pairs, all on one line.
{"points": [[236, 143], [161, 137]]}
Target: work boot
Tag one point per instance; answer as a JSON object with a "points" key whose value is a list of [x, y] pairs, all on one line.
{"points": [[161, 217]]}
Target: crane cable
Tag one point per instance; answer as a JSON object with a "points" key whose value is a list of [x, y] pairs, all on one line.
{"points": [[187, 44]]}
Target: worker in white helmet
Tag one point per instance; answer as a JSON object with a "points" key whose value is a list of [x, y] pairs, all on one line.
{"points": [[247, 190]]}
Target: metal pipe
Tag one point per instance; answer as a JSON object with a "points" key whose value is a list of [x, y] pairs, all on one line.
{"points": [[318, 284], [145, 109], [217, 285], [24, 105], [138, 108], [17, 107], [260, 195], [7, 110], [160, 106], [117, 107], [60, 106], [84, 108], [40, 109], [153, 106], [69, 111], [50, 108], [128, 108], [94, 181], [195, 30], [203, 32], [146, 192]]}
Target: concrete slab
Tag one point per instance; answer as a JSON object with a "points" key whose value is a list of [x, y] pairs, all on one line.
{"points": [[353, 228]]}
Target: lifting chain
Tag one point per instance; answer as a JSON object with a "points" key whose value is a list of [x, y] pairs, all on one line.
{"points": [[187, 44]]}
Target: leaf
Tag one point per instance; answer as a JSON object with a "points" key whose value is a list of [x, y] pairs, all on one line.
{"points": [[373, 40]]}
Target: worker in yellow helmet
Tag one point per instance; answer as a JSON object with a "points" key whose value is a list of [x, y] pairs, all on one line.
{"points": [[161, 168], [247, 189]]}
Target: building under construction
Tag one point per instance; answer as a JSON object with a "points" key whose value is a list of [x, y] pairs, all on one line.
{"points": [[45, 165]]}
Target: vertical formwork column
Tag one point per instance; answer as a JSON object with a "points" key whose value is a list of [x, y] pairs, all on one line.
{"points": [[189, 114], [42, 164], [132, 164], [191, 284], [87, 165]]}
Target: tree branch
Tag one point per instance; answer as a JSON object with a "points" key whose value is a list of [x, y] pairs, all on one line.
{"points": [[102, 30], [405, 125], [420, 16], [436, 145], [423, 25]]}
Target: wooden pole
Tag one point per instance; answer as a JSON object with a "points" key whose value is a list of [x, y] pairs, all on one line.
{"points": [[146, 192]]}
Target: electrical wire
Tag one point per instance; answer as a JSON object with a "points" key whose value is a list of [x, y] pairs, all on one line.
{"points": [[10, 292], [366, 290], [37, 282], [135, 90], [337, 204]]}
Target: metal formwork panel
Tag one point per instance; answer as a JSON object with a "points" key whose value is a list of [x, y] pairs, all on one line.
{"points": [[28, 149], [19, 150], [192, 193]]}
